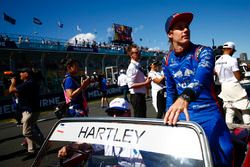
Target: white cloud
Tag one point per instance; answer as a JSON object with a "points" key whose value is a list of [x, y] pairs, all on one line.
{"points": [[82, 37], [154, 48]]}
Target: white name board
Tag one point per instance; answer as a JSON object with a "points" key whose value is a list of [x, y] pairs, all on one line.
{"points": [[179, 141]]}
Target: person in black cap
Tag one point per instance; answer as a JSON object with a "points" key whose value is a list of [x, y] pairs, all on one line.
{"points": [[28, 96], [189, 70], [157, 88]]}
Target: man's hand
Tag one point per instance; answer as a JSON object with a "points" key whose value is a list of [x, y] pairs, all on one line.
{"points": [[85, 83], [13, 81], [63, 152], [172, 115], [12, 88]]}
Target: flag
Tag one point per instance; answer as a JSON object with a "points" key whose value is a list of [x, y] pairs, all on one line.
{"points": [[60, 25], [37, 21], [78, 28], [9, 19]]}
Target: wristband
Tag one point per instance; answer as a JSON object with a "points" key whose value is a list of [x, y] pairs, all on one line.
{"points": [[188, 95], [185, 97]]}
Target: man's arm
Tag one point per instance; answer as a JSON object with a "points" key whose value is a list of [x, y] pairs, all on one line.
{"points": [[170, 88], [203, 75], [131, 77], [12, 88], [141, 84], [237, 75]]}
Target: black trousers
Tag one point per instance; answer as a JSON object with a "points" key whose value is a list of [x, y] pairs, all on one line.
{"points": [[161, 103], [124, 90], [138, 102]]}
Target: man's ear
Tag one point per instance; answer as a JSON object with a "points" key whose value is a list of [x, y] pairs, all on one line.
{"points": [[170, 34]]}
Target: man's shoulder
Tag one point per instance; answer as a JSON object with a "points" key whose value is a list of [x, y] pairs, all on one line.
{"points": [[201, 46], [229, 58], [131, 65], [201, 49], [68, 79]]}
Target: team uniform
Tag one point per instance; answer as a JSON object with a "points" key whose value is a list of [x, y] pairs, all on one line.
{"points": [[233, 94], [194, 70], [78, 105]]}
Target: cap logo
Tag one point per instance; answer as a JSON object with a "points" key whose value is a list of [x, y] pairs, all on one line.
{"points": [[176, 14]]}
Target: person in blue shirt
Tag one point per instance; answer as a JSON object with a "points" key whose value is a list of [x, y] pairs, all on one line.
{"points": [[188, 69], [104, 90], [74, 89]]}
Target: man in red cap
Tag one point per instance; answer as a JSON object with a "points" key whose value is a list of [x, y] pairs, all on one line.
{"points": [[188, 69]]}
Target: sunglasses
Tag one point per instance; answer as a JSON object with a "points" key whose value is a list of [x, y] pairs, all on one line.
{"points": [[135, 52]]}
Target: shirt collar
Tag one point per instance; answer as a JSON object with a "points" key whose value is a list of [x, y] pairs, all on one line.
{"points": [[135, 62]]}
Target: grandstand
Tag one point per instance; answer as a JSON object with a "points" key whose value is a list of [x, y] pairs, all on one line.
{"points": [[45, 54]]}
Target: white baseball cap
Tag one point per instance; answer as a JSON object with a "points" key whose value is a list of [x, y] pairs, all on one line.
{"points": [[119, 107], [229, 45], [119, 103]]}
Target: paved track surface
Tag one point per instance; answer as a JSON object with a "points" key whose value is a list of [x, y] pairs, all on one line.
{"points": [[12, 154]]}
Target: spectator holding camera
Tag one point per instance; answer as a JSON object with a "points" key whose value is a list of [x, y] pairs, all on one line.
{"points": [[74, 88], [28, 101]]}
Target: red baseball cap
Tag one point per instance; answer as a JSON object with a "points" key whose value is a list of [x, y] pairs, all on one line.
{"points": [[186, 17]]}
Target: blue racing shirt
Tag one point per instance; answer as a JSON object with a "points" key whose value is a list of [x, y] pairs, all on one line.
{"points": [[192, 73], [192, 70]]}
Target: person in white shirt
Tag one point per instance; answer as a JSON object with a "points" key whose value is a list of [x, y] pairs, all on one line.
{"points": [[157, 88], [137, 82], [233, 95], [122, 83]]}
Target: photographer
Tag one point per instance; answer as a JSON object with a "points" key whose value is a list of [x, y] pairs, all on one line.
{"points": [[74, 90], [28, 98], [7, 82]]}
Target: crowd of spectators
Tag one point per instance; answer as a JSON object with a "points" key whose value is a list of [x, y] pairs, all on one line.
{"points": [[6, 41], [18, 39]]}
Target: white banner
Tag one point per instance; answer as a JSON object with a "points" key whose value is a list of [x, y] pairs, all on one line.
{"points": [[176, 141]]}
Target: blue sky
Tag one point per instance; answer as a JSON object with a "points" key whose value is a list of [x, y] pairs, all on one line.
{"points": [[223, 20]]}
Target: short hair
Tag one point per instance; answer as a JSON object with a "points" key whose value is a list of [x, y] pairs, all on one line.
{"points": [[68, 62], [130, 47]]}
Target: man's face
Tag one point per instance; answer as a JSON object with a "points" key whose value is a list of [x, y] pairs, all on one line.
{"points": [[74, 68], [135, 54], [24, 76], [180, 33]]}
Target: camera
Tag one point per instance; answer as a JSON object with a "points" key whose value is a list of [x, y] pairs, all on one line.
{"points": [[83, 77], [10, 74], [7, 77]]}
